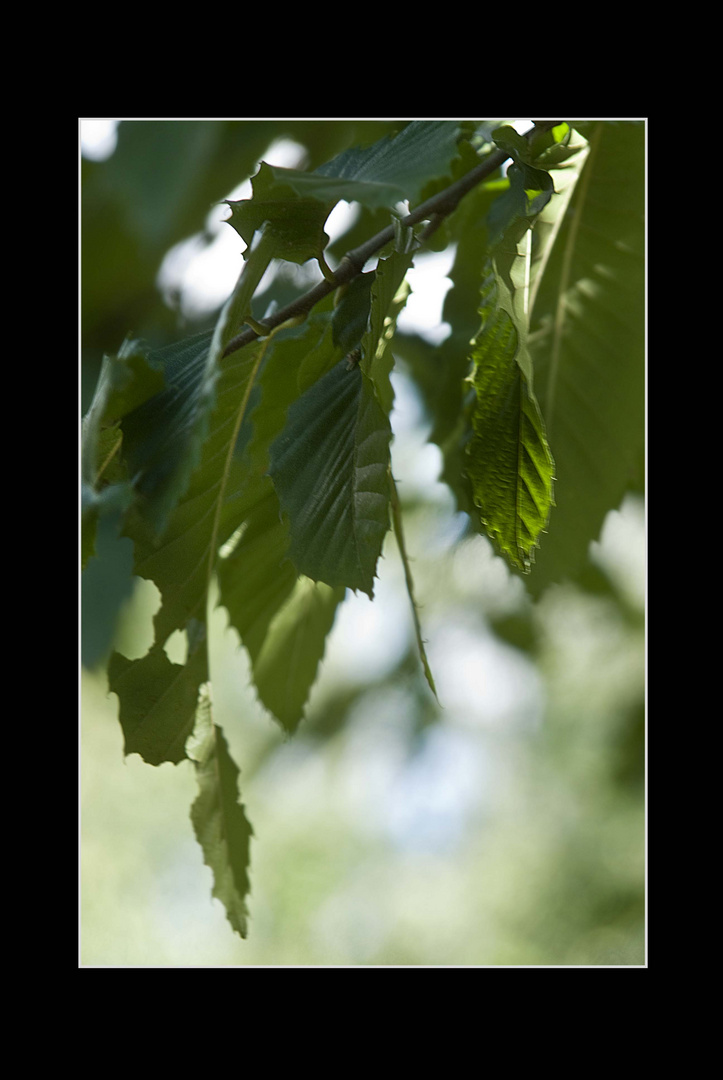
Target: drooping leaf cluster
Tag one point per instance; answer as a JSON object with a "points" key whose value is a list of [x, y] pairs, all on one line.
{"points": [[267, 469]]}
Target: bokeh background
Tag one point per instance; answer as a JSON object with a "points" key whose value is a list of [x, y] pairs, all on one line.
{"points": [[504, 828]]}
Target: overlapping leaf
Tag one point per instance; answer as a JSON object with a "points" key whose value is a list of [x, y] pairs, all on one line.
{"points": [[509, 463], [283, 619], [382, 175], [181, 562], [588, 344], [278, 457], [330, 465], [330, 471], [160, 700]]}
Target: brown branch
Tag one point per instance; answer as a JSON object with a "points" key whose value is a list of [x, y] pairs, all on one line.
{"points": [[435, 209]]}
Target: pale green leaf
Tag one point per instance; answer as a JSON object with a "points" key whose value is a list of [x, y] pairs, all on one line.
{"points": [[286, 664], [219, 820], [588, 345]]}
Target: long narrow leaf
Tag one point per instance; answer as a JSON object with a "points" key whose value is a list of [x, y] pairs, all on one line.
{"points": [[182, 561], [588, 346], [283, 619], [219, 820], [509, 463], [329, 468]]}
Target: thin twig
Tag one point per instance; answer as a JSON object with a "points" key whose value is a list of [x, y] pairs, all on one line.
{"points": [[435, 209]]}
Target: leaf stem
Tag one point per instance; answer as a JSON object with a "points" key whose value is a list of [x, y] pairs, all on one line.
{"points": [[399, 534]]}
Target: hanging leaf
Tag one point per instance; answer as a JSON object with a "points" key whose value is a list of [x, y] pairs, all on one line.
{"points": [[219, 820], [158, 699], [329, 469], [329, 466], [588, 345], [286, 664], [351, 314], [509, 463], [283, 619]]}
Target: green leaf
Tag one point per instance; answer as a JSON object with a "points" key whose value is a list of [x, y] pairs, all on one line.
{"points": [[509, 463], [286, 664], [165, 438], [588, 344], [295, 204], [329, 470], [162, 437], [181, 563], [329, 467], [389, 294], [351, 314], [219, 820], [439, 371], [158, 699], [394, 168], [283, 619], [295, 226], [565, 161], [126, 381], [107, 580]]}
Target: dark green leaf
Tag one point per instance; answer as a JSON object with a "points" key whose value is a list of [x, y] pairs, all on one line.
{"points": [[158, 699], [282, 619], [295, 226], [329, 466], [329, 469], [107, 581], [393, 169], [164, 440], [351, 314], [296, 204]]}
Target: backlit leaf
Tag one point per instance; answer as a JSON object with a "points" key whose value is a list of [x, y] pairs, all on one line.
{"points": [[509, 463]]}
